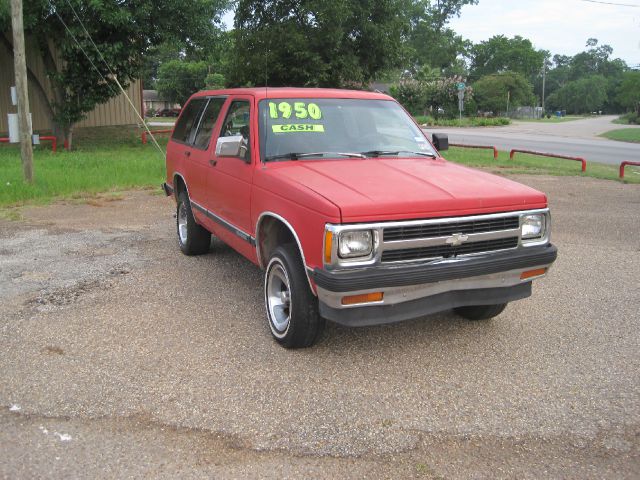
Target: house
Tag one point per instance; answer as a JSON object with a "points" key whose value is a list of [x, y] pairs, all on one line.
{"points": [[153, 102], [116, 111]]}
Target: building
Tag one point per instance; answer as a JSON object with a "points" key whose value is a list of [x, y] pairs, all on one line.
{"points": [[153, 102], [116, 111]]}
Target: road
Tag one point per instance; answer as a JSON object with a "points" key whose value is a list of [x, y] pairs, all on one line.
{"points": [[123, 358], [575, 138]]}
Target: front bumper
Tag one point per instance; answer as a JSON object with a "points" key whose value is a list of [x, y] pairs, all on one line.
{"points": [[416, 290]]}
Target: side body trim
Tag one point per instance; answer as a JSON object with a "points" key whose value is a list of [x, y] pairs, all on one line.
{"points": [[222, 222]]}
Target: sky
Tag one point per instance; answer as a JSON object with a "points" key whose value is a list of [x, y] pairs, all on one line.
{"points": [[560, 26]]}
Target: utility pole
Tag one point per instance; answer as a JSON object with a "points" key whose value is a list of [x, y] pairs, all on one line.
{"points": [[544, 81], [20, 67]]}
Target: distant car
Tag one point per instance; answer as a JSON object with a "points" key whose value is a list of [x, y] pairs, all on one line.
{"points": [[168, 112]]}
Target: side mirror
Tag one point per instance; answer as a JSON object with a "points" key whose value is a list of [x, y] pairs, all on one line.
{"points": [[440, 141], [231, 147]]}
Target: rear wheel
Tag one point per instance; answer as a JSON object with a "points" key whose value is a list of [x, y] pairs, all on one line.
{"points": [[480, 312], [292, 309], [193, 239]]}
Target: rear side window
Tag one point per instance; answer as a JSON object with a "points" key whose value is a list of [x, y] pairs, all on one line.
{"points": [[209, 117], [188, 120]]}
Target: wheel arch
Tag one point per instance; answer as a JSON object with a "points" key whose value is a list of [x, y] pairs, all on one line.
{"points": [[273, 230], [180, 184]]}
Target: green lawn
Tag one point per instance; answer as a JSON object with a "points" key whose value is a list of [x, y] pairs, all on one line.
{"points": [[106, 160], [533, 164], [623, 135], [113, 159]]}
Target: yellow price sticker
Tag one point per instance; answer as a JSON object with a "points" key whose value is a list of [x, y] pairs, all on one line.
{"points": [[297, 128], [298, 109]]}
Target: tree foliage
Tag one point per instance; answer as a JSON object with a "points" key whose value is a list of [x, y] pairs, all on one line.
{"points": [[311, 43], [429, 42], [492, 92], [178, 80], [585, 95], [122, 31], [628, 94], [501, 54]]}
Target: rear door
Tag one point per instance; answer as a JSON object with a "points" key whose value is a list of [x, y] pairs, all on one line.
{"points": [[180, 148]]}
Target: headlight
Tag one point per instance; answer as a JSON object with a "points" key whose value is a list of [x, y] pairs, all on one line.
{"points": [[533, 226], [356, 243]]}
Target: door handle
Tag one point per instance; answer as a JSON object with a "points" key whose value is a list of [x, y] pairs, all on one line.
{"points": [[213, 162], [187, 153]]}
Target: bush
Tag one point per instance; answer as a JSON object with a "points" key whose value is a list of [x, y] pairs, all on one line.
{"points": [[629, 119], [466, 121]]}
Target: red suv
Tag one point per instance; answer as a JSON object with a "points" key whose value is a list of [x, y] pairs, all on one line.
{"points": [[350, 210]]}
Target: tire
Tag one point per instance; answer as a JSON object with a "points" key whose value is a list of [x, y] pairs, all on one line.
{"points": [[480, 312], [292, 309], [193, 239]]}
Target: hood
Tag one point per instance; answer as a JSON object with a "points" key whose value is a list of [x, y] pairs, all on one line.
{"points": [[378, 189]]}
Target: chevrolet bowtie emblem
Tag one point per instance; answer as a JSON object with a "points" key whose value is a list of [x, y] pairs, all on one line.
{"points": [[457, 239]]}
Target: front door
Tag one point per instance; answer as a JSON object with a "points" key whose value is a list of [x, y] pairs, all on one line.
{"points": [[229, 178]]}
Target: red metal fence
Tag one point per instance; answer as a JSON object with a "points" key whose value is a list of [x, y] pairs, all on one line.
{"points": [[488, 147], [53, 140], [624, 164], [552, 155], [144, 134]]}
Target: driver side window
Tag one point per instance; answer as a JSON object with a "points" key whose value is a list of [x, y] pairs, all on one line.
{"points": [[237, 123]]}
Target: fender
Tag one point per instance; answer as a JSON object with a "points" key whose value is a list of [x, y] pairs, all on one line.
{"points": [[295, 236]]}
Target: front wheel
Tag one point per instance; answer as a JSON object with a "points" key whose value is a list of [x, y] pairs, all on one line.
{"points": [[480, 312], [292, 309]]}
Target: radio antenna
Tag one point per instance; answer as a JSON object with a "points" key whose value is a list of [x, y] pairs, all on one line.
{"points": [[266, 95]]}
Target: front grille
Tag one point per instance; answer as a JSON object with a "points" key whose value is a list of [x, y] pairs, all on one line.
{"points": [[445, 229], [447, 251]]}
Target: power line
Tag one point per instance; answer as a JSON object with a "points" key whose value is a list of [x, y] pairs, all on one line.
{"points": [[612, 3]]}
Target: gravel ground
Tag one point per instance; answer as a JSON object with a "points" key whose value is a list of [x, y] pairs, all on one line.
{"points": [[120, 357]]}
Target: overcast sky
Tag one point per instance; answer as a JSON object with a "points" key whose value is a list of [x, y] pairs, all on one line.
{"points": [[560, 26]]}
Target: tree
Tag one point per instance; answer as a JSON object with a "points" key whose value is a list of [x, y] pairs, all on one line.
{"points": [[581, 96], [178, 80], [122, 31], [628, 94], [429, 42], [215, 81], [311, 43], [501, 54], [492, 91]]}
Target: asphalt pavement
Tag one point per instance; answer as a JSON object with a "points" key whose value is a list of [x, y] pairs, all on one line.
{"points": [[579, 138], [121, 357]]}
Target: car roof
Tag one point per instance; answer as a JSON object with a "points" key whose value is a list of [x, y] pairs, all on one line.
{"points": [[290, 92]]}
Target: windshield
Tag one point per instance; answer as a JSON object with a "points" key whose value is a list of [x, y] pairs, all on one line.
{"points": [[299, 128]]}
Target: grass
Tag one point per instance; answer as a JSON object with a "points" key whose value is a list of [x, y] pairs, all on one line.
{"points": [[108, 159], [112, 159], [532, 164], [623, 135], [466, 121], [553, 119], [170, 120]]}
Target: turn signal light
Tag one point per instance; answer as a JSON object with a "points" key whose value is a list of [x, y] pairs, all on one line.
{"points": [[328, 245], [533, 273], [364, 298]]}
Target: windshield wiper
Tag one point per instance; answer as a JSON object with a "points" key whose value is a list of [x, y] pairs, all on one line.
{"points": [[296, 155], [379, 153]]}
